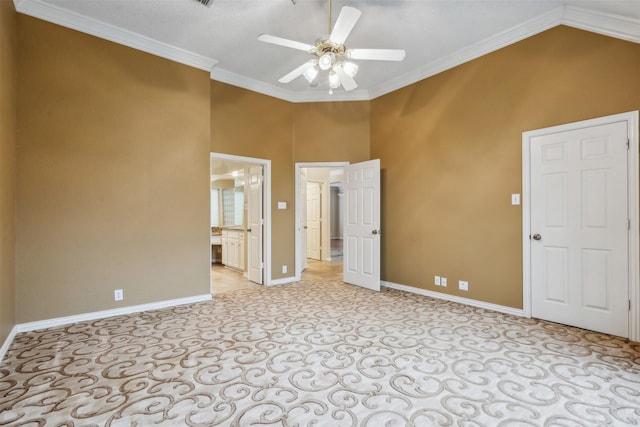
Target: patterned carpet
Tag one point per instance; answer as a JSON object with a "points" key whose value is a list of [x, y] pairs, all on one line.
{"points": [[319, 354]]}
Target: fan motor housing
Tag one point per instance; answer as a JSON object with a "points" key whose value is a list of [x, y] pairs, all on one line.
{"points": [[325, 46]]}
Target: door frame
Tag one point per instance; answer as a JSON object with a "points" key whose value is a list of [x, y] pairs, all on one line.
{"points": [[298, 243], [266, 206], [633, 178]]}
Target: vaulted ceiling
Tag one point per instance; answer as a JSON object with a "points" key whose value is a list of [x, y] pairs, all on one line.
{"points": [[221, 37]]}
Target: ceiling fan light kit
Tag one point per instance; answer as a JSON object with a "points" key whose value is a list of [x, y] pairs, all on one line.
{"points": [[332, 54], [326, 61], [311, 73]]}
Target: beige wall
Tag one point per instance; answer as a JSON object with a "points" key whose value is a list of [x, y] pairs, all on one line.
{"points": [[451, 154], [113, 163], [8, 101], [331, 132], [246, 123], [113, 172]]}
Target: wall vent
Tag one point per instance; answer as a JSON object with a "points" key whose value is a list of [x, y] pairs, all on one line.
{"points": [[205, 2]]}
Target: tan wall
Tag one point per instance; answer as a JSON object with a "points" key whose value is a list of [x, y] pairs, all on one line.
{"points": [[451, 154], [113, 172], [8, 102], [331, 132], [113, 163], [245, 123]]}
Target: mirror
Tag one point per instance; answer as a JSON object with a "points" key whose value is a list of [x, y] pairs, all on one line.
{"points": [[227, 200]]}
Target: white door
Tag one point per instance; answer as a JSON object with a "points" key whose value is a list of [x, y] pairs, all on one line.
{"points": [[255, 221], [314, 220], [362, 224], [302, 255], [579, 228]]}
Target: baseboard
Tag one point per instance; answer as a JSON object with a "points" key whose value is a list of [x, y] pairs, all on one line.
{"points": [[283, 281], [60, 321], [7, 342], [453, 298]]}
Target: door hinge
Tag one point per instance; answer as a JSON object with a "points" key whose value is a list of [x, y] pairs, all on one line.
{"points": [[628, 224], [628, 144], [629, 305]]}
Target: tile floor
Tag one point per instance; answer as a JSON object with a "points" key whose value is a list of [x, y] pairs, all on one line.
{"points": [[225, 279]]}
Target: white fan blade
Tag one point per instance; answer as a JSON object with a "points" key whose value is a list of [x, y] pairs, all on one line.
{"points": [[345, 79], [297, 72], [286, 43], [377, 54], [344, 24]]}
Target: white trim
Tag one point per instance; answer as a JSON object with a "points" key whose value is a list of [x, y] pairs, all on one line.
{"points": [[224, 76], [298, 243], [512, 35], [634, 211], [610, 25], [7, 343], [266, 164], [283, 281], [60, 321], [634, 216], [58, 15], [461, 300], [620, 27]]}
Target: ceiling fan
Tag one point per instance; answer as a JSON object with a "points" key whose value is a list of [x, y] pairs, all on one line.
{"points": [[332, 55]]}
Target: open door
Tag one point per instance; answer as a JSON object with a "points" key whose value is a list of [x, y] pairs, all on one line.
{"points": [[255, 222], [303, 221], [362, 224]]}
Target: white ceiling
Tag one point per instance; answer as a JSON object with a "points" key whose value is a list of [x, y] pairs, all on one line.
{"points": [[222, 37]]}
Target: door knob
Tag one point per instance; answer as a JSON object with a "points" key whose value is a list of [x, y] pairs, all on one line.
{"points": [[376, 232], [537, 237]]}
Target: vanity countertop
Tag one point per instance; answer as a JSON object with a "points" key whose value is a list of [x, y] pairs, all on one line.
{"points": [[217, 231]]}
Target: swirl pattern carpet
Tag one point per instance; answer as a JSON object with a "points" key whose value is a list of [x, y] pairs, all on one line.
{"points": [[319, 354]]}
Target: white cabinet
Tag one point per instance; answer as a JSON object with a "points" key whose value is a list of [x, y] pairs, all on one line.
{"points": [[241, 251], [233, 249], [225, 246]]}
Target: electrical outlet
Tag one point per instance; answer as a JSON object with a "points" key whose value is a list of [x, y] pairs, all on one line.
{"points": [[118, 295], [463, 285], [443, 281], [284, 269], [436, 280]]}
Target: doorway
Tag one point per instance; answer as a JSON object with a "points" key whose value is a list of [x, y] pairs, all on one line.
{"points": [[240, 222], [319, 218], [362, 234], [580, 224]]}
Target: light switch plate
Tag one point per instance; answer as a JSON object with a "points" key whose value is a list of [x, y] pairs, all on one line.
{"points": [[282, 205], [515, 199]]}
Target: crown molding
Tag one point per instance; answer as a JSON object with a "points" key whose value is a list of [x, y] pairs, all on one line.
{"points": [[610, 25], [513, 35], [225, 76], [616, 26], [47, 12]]}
